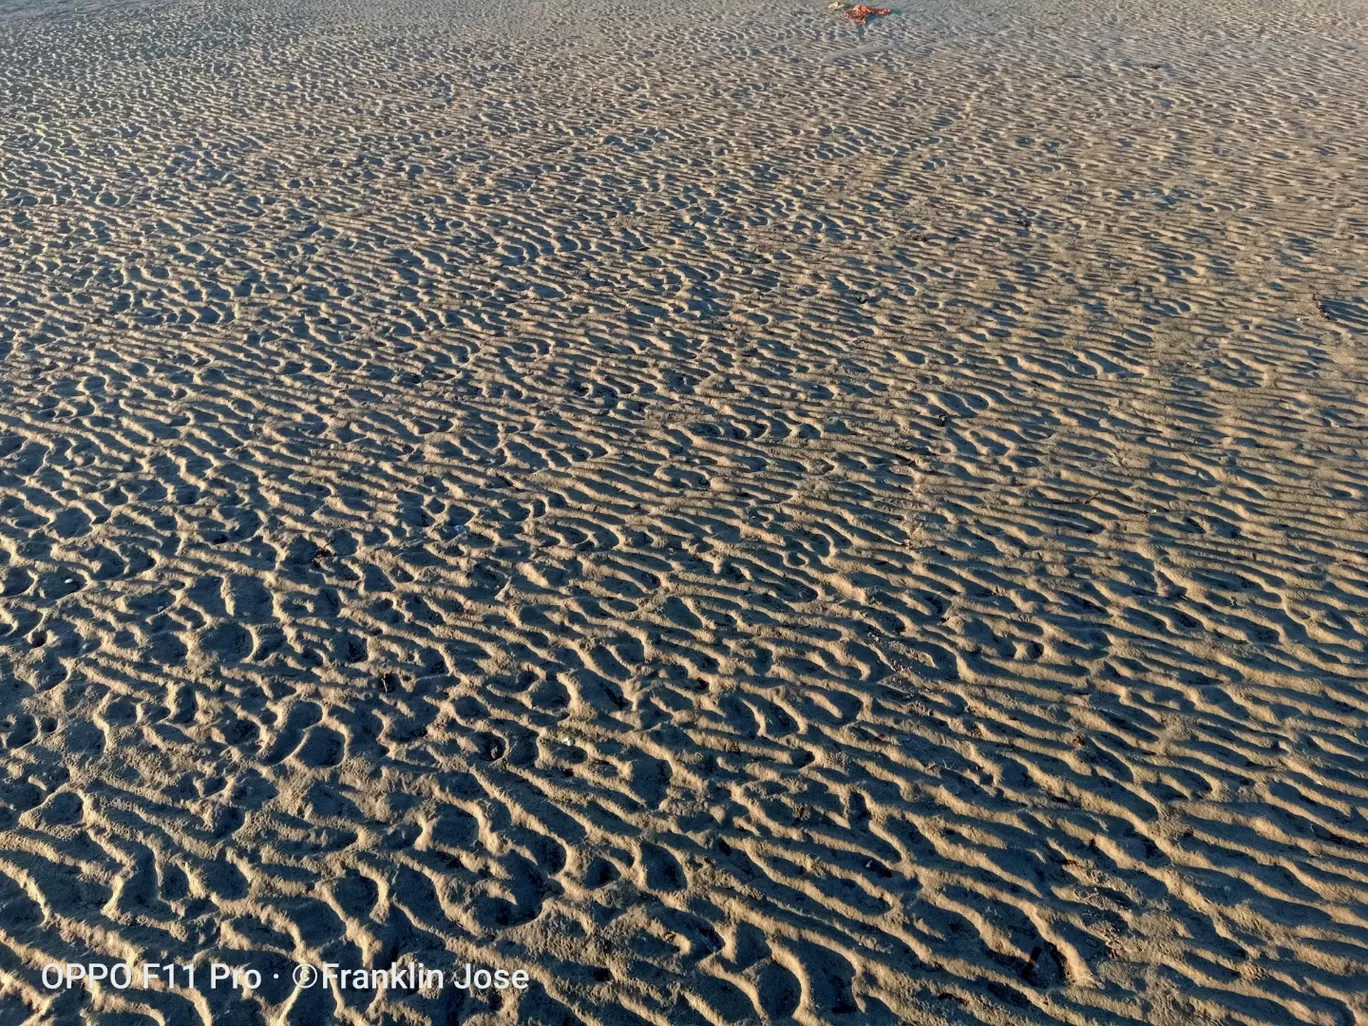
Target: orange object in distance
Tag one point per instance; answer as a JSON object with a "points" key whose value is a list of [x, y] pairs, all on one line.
{"points": [[859, 14]]}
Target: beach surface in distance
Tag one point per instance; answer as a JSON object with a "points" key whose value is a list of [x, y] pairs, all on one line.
{"points": [[737, 516]]}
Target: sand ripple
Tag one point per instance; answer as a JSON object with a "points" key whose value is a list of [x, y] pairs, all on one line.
{"points": [[747, 518]]}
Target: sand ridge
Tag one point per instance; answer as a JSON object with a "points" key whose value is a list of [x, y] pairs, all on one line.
{"points": [[747, 518]]}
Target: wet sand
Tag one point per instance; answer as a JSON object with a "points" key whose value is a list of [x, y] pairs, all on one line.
{"points": [[745, 518]]}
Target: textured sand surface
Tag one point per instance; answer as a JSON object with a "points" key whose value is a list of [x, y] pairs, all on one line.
{"points": [[749, 519]]}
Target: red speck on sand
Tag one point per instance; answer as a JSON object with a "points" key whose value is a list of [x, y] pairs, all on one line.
{"points": [[859, 14]]}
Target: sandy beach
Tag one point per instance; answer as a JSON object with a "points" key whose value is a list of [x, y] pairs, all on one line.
{"points": [[704, 513]]}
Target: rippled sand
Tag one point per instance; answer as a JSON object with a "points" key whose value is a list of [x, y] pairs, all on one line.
{"points": [[749, 519]]}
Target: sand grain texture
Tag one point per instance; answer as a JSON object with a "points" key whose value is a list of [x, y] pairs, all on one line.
{"points": [[751, 519]]}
